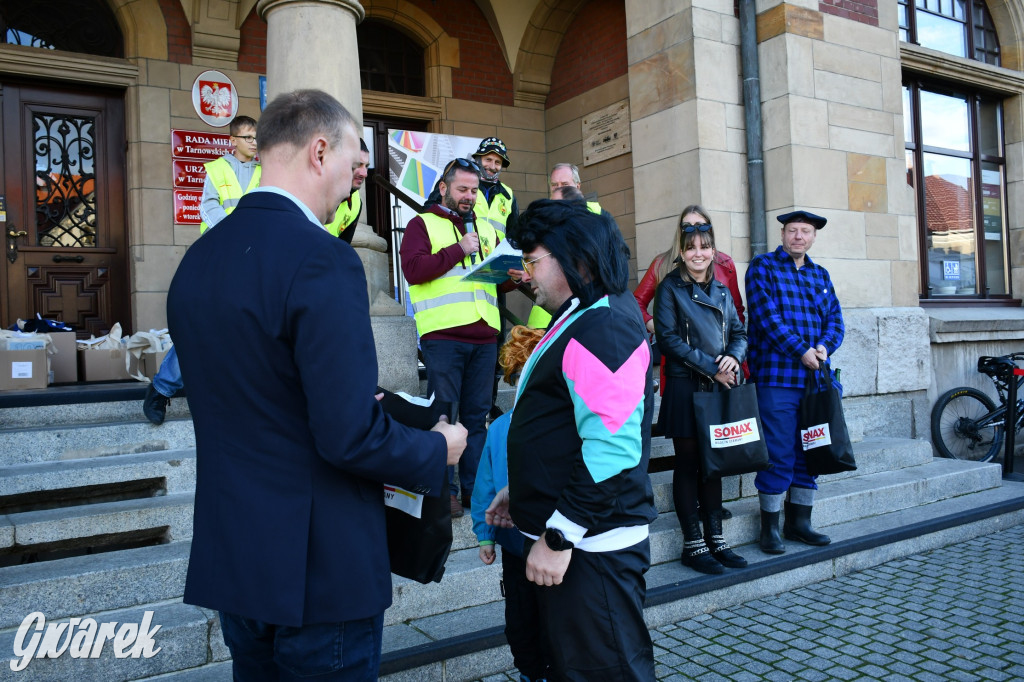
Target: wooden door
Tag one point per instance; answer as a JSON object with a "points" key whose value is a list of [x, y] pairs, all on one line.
{"points": [[63, 180]]}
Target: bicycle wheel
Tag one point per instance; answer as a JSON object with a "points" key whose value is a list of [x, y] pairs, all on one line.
{"points": [[956, 431]]}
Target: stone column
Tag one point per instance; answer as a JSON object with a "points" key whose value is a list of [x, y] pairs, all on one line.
{"points": [[312, 44]]}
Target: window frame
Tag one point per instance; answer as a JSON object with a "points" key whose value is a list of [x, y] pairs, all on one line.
{"points": [[975, 98], [970, 22]]}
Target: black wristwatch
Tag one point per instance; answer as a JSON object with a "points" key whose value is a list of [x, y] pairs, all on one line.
{"points": [[556, 541]]}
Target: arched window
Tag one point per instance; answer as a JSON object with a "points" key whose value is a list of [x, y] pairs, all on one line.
{"points": [[86, 26], [958, 27], [389, 60]]}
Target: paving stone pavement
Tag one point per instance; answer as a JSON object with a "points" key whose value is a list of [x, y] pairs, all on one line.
{"points": [[955, 613]]}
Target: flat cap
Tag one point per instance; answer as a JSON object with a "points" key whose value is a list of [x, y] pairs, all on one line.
{"points": [[802, 217]]}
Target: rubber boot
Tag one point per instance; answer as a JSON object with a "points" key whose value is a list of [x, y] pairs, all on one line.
{"points": [[798, 526], [771, 540], [695, 552], [716, 543]]}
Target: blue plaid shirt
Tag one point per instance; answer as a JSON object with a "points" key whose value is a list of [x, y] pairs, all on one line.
{"points": [[789, 311]]}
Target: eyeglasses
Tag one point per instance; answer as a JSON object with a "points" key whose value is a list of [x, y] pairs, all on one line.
{"points": [[248, 138], [528, 264], [462, 163], [687, 228]]}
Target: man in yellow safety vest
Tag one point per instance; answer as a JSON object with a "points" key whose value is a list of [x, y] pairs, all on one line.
{"points": [[344, 223]]}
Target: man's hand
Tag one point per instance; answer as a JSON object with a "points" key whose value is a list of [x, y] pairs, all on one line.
{"points": [[821, 352], [497, 512], [810, 359], [470, 243], [650, 325], [455, 435], [515, 275], [545, 566], [487, 554]]}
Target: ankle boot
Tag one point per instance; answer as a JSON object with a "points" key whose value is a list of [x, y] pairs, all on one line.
{"points": [[771, 541], [695, 552], [716, 543], [798, 526]]}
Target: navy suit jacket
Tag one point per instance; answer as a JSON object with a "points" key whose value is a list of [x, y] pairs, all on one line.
{"points": [[270, 318]]}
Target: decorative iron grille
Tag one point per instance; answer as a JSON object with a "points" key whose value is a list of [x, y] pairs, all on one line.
{"points": [[65, 178]]}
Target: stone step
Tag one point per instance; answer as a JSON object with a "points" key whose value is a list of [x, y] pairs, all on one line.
{"points": [[75, 526], [86, 413], [177, 469], [467, 644], [51, 444], [93, 583], [196, 652]]}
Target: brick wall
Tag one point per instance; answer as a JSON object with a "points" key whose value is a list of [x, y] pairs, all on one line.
{"points": [[483, 75], [179, 34], [864, 11], [592, 52], [252, 49]]}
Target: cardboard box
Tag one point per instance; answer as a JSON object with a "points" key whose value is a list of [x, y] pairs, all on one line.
{"points": [[22, 369], [106, 364], [151, 362], [64, 363]]}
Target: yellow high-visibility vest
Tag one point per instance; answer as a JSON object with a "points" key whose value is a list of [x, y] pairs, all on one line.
{"points": [[228, 188], [497, 213], [346, 215], [447, 301]]}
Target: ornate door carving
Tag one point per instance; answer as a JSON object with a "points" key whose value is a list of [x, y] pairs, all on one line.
{"points": [[63, 180]]}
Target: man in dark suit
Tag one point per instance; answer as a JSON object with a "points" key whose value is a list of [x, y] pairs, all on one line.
{"points": [[289, 539]]}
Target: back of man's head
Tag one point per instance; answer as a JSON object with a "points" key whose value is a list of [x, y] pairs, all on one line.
{"points": [[588, 246], [568, 193], [293, 118]]}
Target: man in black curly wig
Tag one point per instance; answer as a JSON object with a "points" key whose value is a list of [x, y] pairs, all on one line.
{"points": [[578, 447]]}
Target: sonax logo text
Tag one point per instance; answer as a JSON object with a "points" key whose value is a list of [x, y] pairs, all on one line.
{"points": [[815, 437], [82, 638], [734, 433]]}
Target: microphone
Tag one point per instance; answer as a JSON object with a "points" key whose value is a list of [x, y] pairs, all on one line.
{"points": [[467, 222]]}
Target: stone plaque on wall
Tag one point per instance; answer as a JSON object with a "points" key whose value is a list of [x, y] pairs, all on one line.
{"points": [[606, 133]]}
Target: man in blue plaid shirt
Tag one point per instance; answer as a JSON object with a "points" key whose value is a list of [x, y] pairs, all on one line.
{"points": [[795, 324]]}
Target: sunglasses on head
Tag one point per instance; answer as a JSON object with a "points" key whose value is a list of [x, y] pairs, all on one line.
{"points": [[460, 162], [690, 229]]}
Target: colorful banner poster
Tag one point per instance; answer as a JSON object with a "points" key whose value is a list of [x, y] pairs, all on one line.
{"points": [[416, 161]]}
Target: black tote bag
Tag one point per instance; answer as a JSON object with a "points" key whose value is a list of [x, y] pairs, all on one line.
{"points": [[419, 526], [823, 433], [729, 431]]}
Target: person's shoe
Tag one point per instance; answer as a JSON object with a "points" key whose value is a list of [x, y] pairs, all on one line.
{"points": [[716, 543], [457, 510], [154, 405], [771, 540], [798, 526], [695, 553]]}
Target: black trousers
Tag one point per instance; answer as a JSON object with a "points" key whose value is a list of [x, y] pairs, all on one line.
{"points": [[594, 620], [523, 627], [688, 490]]}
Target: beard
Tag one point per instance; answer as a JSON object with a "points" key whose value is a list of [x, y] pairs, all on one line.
{"points": [[451, 204]]}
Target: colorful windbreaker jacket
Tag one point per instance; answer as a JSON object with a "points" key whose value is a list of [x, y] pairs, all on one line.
{"points": [[580, 437]]}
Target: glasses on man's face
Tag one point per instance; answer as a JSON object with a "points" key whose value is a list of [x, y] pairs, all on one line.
{"points": [[462, 163], [528, 264], [248, 138], [690, 228]]}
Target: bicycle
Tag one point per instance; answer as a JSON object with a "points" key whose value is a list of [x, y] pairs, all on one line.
{"points": [[966, 424]]}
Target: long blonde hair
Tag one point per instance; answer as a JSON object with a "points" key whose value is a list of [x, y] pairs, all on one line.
{"points": [[668, 259]]}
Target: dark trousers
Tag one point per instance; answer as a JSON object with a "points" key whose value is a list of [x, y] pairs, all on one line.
{"points": [[688, 490], [326, 652], [523, 627], [594, 620], [463, 373]]}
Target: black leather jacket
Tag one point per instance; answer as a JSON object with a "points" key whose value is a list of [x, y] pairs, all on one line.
{"points": [[693, 328]]}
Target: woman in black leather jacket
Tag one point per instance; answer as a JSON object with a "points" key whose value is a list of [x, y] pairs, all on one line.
{"points": [[702, 341]]}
